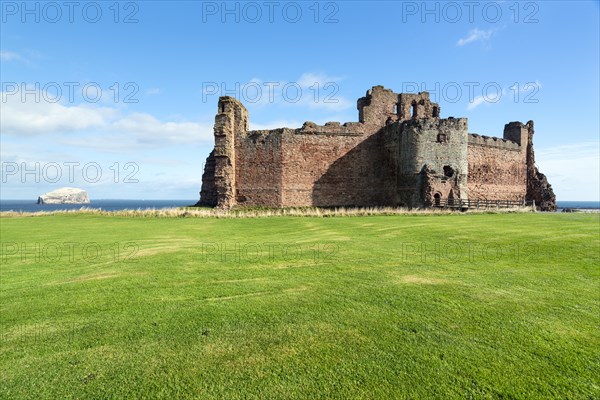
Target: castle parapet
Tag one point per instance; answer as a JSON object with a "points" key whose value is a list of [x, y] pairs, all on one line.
{"points": [[450, 123], [332, 128], [489, 141]]}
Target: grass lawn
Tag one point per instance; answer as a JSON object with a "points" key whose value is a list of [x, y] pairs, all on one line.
{"points": [[499, 306]]}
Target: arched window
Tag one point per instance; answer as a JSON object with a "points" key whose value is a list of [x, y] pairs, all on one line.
{"points": [[436, 199], [414, 110], [436, 112]]}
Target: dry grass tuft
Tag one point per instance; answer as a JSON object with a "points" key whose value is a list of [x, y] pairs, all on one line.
{"points": [[194, 212]]}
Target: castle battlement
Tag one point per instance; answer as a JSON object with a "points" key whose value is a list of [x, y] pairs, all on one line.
{"points": [[437, 123], [480, 140]]}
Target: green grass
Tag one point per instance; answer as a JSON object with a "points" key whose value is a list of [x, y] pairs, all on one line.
{"points": [[499, 306]]}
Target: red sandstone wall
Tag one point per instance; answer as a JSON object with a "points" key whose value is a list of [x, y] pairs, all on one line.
{"points": [[339, 167], [323, 170], [496, 173], [313, 165], [329, 165], [258, 169], [286, 168]]}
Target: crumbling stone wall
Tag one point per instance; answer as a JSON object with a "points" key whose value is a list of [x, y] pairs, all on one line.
{"points": [[504, 169], [378, 107], [538, 187], [497, 169], [259, 168], [399, 153], [208, 192], [330, 165], [330, 170], [413, 106]]}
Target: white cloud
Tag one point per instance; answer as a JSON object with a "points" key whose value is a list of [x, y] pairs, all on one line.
{"points": [[490, 98], [477, 101], [529, 88], [149, 129], [10, 56], [310, 90], [275, 124], [475, 35], [31, 117], [309, 79]]}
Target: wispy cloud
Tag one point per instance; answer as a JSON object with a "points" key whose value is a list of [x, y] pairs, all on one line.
{"points": [[311, 90], [10, 56], [76, 122], [529, 89], [476, 35], [477, 101], [275, 124], [490, 98]]}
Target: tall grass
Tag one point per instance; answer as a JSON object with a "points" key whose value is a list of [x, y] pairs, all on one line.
{"points": [[194, 212]]}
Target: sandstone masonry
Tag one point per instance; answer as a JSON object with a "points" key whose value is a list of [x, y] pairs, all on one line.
{"points": [[399, 153]]}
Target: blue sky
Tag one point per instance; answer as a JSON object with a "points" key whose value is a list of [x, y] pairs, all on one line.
{"points": [[119, 98]]}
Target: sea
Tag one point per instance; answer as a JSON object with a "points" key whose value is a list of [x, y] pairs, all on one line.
{"points": [[115, 205], [107, 205]]}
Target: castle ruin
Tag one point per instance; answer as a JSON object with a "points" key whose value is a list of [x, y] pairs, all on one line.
{"points": [[399, 153]]}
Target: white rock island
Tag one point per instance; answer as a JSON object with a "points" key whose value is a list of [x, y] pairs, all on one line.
{"points": [[66, 195]]}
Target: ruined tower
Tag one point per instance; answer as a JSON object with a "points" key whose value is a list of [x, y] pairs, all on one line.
{"points": [[220, 175]]}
